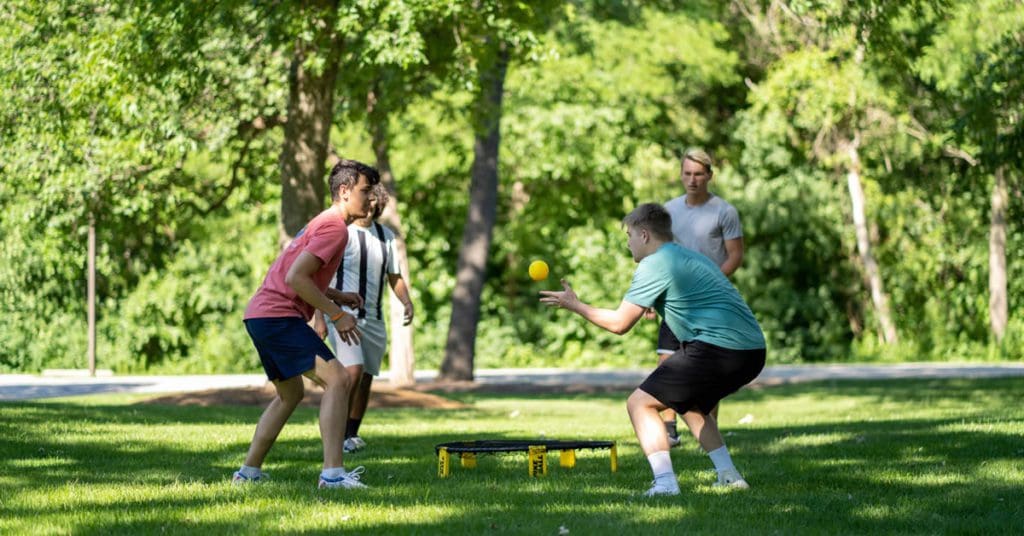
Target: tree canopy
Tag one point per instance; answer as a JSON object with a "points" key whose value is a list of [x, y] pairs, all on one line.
{"points": [[196, 137]]}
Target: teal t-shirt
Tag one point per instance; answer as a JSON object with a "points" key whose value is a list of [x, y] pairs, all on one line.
{"points": [[695, 298]]}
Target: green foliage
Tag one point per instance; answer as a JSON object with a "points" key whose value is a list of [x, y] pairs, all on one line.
{"points": [[796, 272], [186, 317], [160, 121]]}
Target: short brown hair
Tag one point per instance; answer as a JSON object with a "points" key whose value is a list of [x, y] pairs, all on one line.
{"points": [[653, 218], [346, 173]]}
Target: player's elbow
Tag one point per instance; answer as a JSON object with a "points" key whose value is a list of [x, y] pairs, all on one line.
{"points": [[291, 278], [621, 328]]}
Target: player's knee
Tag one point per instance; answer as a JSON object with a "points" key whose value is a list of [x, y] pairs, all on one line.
{"points": [[292, 398], [338, 382], [634, 402]]}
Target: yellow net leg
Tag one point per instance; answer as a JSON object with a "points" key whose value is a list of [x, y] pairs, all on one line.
{"points": [[538, 460], [567, 458], [444, 463], [468, 460], [615, 458]]}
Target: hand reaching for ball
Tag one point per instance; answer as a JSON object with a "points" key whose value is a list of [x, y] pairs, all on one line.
{"points": [[565, 298]]}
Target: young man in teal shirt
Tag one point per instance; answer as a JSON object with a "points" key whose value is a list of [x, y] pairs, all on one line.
{"points": [[723, 346]]}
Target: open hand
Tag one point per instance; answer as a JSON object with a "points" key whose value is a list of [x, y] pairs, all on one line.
{"points": [[407, 316], [347, 329], [565, 298]]}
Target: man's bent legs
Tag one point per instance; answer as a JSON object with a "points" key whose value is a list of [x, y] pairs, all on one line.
{"points": [[705, 429], [356, 376], [289, 394], [643, 412], [668, 414], [361, 398], [333, 409]]}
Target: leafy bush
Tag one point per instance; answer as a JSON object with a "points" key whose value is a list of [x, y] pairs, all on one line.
{"points": [[187, 317]]}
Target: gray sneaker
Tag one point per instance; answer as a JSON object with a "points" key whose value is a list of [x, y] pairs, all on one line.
{"points": [[731, 478], [349, 480], [657, 489], [239, 479]]}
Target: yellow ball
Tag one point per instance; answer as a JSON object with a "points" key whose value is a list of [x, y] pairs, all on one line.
{"points": [[538, 270]]}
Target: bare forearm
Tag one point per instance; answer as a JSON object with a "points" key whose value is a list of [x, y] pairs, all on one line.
{"points": [[730, 265], [617, 321], [400, 289], [733, 256], [606, 319]]}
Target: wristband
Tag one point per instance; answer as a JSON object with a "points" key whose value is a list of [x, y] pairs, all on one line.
{"points": [[338, 316]]}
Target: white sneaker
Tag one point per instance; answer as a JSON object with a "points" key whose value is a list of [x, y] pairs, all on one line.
{"points": [[238, 478], [731, 478], [350, 445], [349, 480], [358, 442], [673, 441], [657, 489]]}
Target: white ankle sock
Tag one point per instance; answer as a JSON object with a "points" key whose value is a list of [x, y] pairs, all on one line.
{"points": [[250, 472], [661, 465], [720, 457], [334, 472]]}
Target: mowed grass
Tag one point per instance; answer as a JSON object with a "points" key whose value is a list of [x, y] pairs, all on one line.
{"points": [[923, 456]]}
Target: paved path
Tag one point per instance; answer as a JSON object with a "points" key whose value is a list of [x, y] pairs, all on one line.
{"points": [[25, 386]]}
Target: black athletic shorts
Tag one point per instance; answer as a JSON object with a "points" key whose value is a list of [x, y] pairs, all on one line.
{"points": [[667, 341], [700, 374]]}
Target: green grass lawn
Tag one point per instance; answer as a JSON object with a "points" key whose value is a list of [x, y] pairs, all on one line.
{"points": [[941, 456]]}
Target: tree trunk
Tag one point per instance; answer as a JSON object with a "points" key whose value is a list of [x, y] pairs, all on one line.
{"points": [[476, 235], [401, 355], [997, 296], [307, 130], [874, 277], [90, 310]]}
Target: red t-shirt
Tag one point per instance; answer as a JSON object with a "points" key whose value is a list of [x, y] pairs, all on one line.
{"points": [[325, 236]]}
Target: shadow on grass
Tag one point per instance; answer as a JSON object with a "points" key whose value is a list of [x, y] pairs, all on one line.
{"points": [[849, 471]]}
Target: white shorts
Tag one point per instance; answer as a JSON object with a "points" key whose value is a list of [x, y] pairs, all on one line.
{"points": [[369, 352]]}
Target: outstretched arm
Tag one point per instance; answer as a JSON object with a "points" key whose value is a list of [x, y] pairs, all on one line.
{"points": [[617, 321]]}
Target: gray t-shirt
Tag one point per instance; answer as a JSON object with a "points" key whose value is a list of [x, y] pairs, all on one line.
{"points": [[705, 228]]}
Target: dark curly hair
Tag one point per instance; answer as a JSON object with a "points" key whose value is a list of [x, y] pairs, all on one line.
{"points": [[380, 193], [347, 172]]}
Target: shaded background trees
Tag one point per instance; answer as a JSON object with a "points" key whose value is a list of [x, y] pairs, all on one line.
{"points": [[196, 137]]}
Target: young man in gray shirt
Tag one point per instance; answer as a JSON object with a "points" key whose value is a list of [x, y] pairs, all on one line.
{"points": [[707, 224]]}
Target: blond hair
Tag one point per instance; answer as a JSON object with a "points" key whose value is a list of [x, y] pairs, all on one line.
{"points": [[699, 156]]}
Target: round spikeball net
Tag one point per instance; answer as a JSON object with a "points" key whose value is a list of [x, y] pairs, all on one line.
{"points": [[536, 450]]}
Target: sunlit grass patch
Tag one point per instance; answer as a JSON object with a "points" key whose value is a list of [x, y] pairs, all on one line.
{"points": [[832, 457]]}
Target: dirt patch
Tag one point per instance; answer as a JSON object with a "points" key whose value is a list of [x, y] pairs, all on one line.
{"points": [[428, 395], [523, 388], [380, 397]]}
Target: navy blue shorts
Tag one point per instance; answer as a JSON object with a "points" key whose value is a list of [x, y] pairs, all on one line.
{"points": [[700, 374], [287, 346]]}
